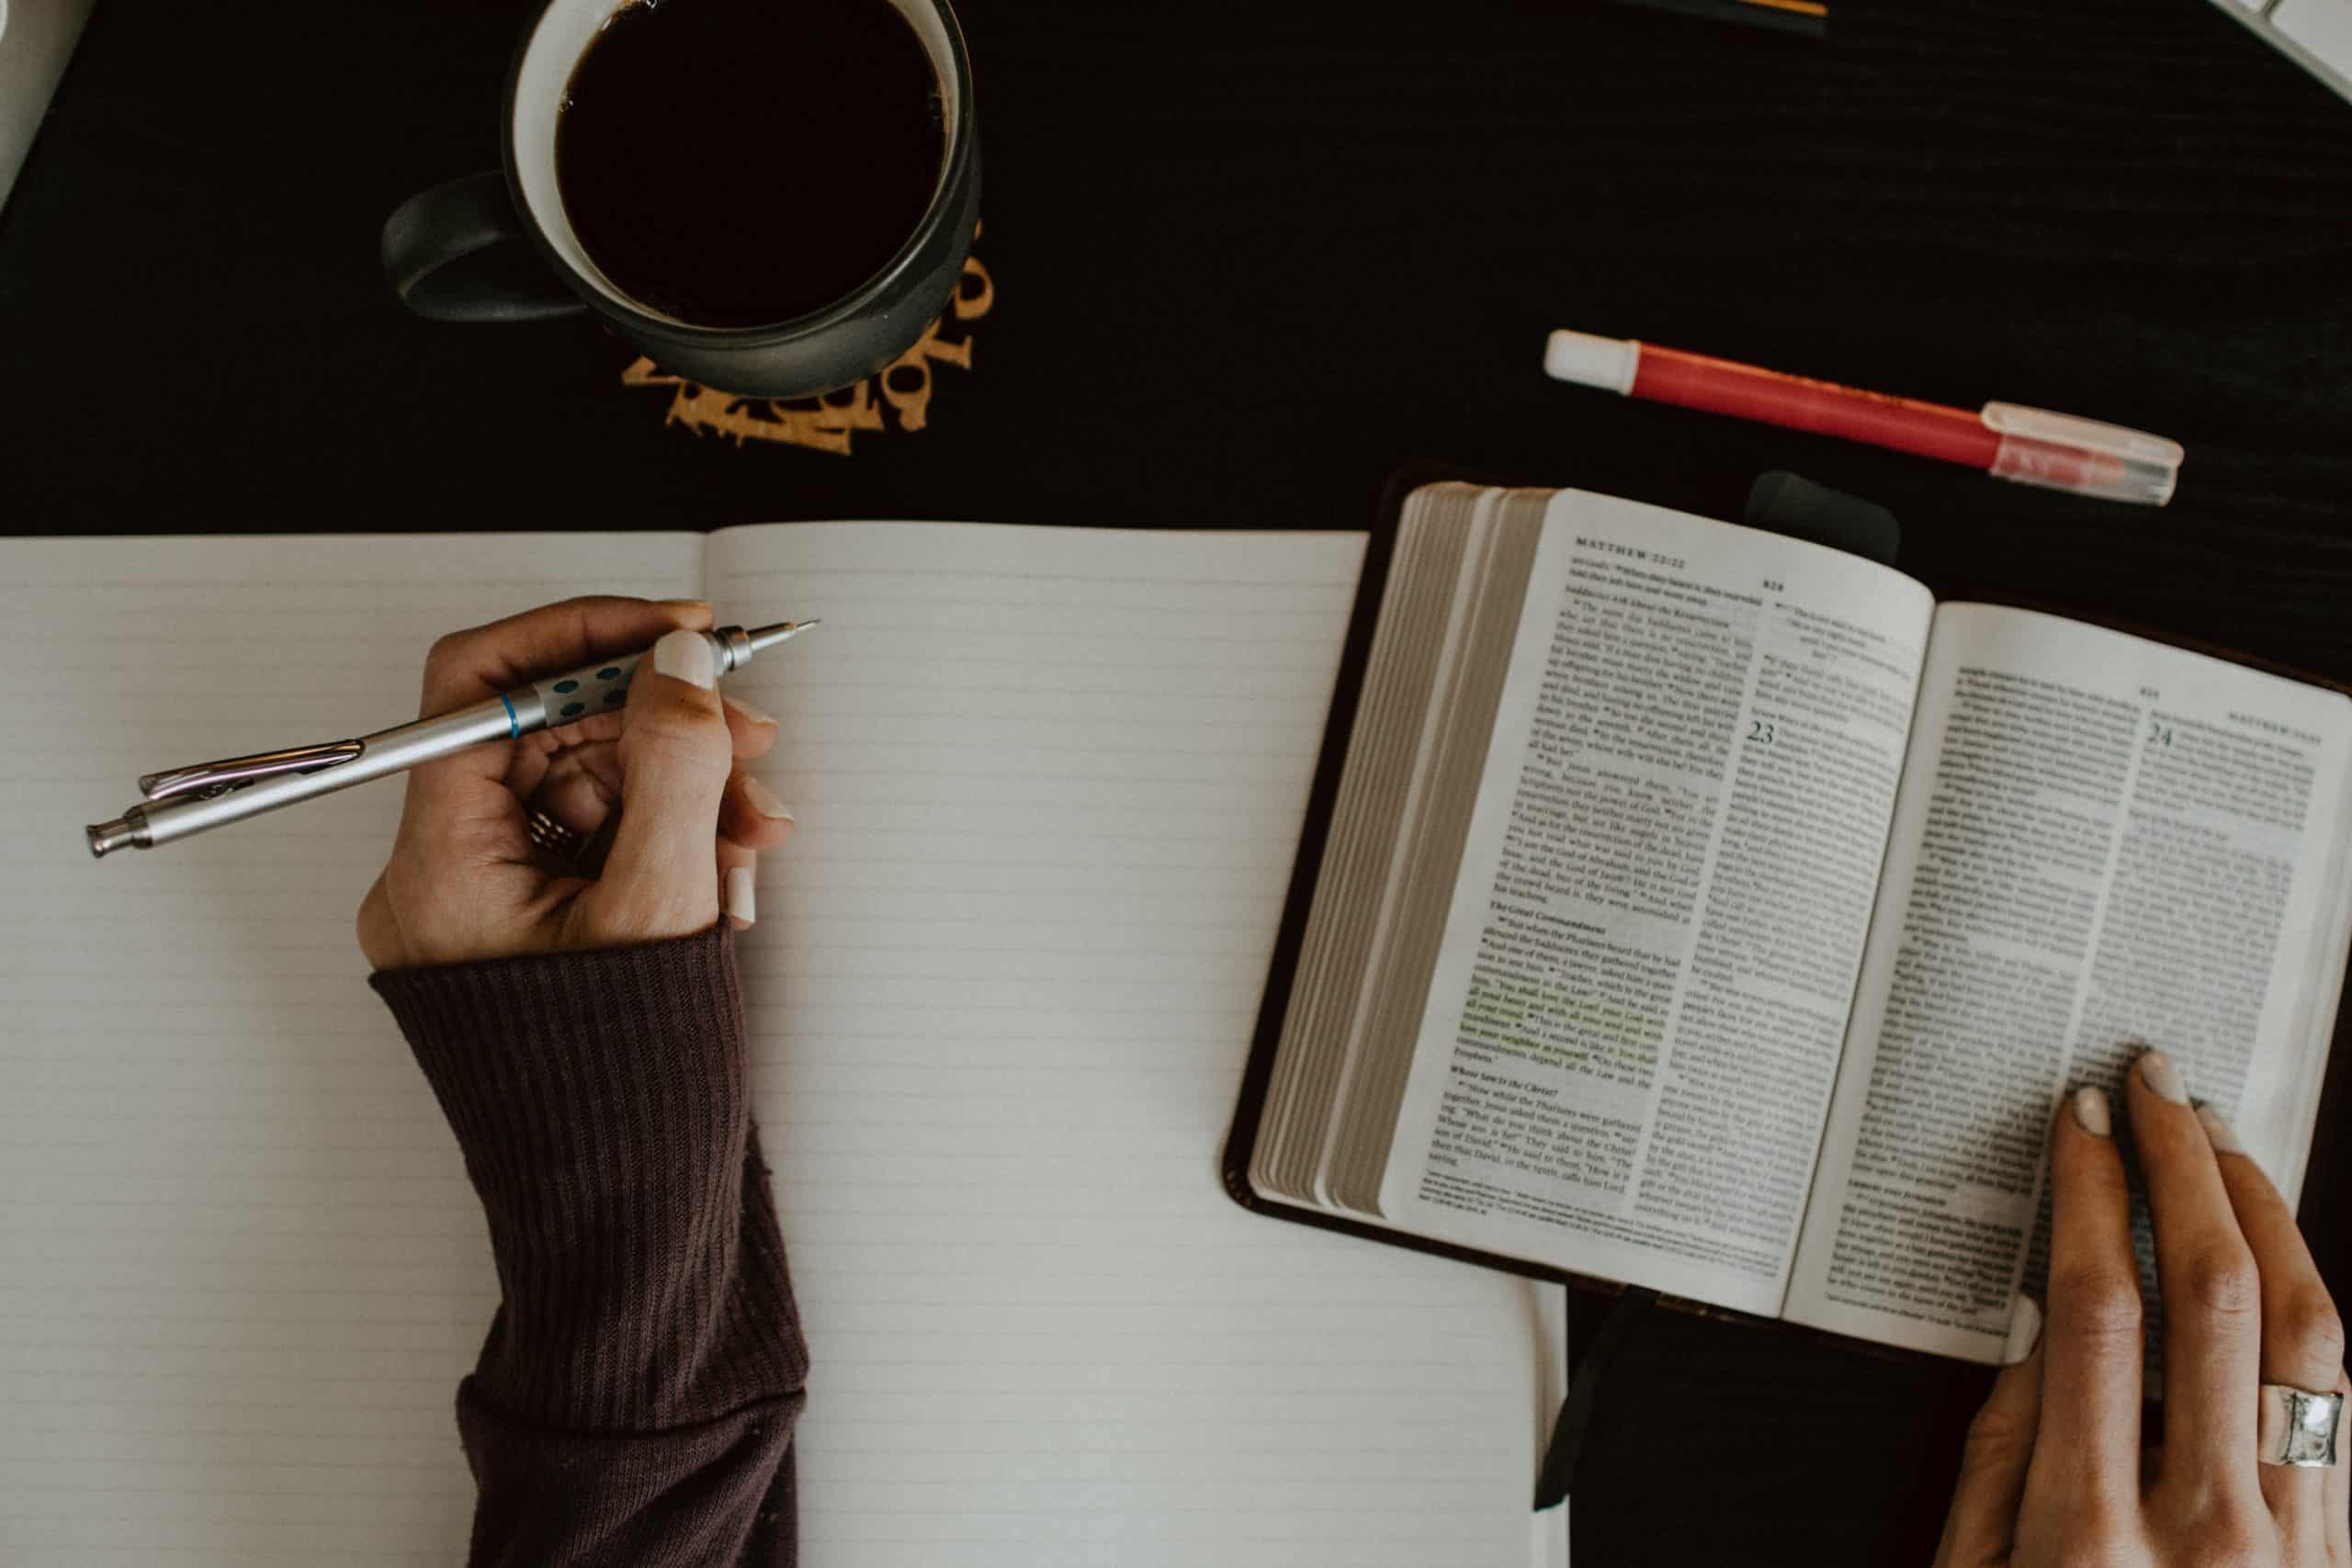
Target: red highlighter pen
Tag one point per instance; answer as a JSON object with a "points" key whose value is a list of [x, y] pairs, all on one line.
{"points": [[2030, 446]]}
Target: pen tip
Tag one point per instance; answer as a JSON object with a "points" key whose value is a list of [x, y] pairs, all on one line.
{"points": [[765, 637]]}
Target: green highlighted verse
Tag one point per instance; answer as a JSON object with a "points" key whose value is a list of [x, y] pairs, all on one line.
{"points": [[1553, 1022]]}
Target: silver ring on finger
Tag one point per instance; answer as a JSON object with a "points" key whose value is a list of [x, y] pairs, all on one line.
{"points": [[2298, 1428], [551, 836]]}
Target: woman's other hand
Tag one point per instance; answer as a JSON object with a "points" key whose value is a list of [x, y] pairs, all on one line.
{"points": [[657, 786], [2054, 1471]]}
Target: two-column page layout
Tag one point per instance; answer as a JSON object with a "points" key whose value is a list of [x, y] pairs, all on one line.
{"points": [[1713, 911]]}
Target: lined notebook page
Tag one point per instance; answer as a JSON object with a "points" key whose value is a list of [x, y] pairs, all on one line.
{"points": [[1048, 785], [241, 1269], [1002, 987]]}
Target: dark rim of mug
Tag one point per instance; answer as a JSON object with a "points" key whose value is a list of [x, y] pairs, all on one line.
{"points": [[945, 199]]}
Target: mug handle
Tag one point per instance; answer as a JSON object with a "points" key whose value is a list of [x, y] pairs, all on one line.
{"points": [[455, 253]]}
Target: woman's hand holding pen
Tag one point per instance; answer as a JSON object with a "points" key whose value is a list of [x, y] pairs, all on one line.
{"points": [[2054, 1472], [657, 787]]}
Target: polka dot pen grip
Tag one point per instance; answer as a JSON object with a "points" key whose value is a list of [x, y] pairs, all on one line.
{"points": [[178, 802], [573, 696]]}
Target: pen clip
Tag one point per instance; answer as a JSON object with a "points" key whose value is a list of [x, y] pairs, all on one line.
{"points": [[206, 780], [2090, 434]]}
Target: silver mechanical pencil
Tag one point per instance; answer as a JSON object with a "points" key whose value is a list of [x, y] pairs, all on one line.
{"points": [[182, 801]]}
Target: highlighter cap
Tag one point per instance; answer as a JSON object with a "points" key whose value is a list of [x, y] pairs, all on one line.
{"points": [[2059, 451]]}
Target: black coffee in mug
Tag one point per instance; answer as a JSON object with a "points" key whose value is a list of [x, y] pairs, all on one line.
{"points": [[772, 198], [737, 162]]}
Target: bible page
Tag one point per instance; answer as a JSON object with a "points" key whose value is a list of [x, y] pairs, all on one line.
{"points": [[2102, 842], [241, 1267], [1639, 1000], [1049, 784]]}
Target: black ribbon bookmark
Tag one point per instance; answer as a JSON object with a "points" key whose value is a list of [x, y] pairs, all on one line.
{"points": [[1554, 1481]]}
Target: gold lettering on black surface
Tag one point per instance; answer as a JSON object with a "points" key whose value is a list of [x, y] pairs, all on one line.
{"points": [[826, 424]]}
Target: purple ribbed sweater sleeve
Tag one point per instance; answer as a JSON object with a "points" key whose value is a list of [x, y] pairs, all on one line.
{"points": [[635, 1400]]}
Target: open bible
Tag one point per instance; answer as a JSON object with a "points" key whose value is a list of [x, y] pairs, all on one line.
{"points": [[1709, 910]]}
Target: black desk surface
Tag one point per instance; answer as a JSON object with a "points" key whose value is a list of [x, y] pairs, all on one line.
{"points": [[1249, 258]]}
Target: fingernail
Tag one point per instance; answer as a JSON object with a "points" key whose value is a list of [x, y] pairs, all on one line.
{"points": [[2158, 1073], [2218, 1132], [2090, 1111], [743, 896], [2025, 1330], [765, 804], [685, 603], [746, 712], [683, 655]]}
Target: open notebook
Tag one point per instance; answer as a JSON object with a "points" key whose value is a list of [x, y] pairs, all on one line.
{"points": [[1048, 785]]}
